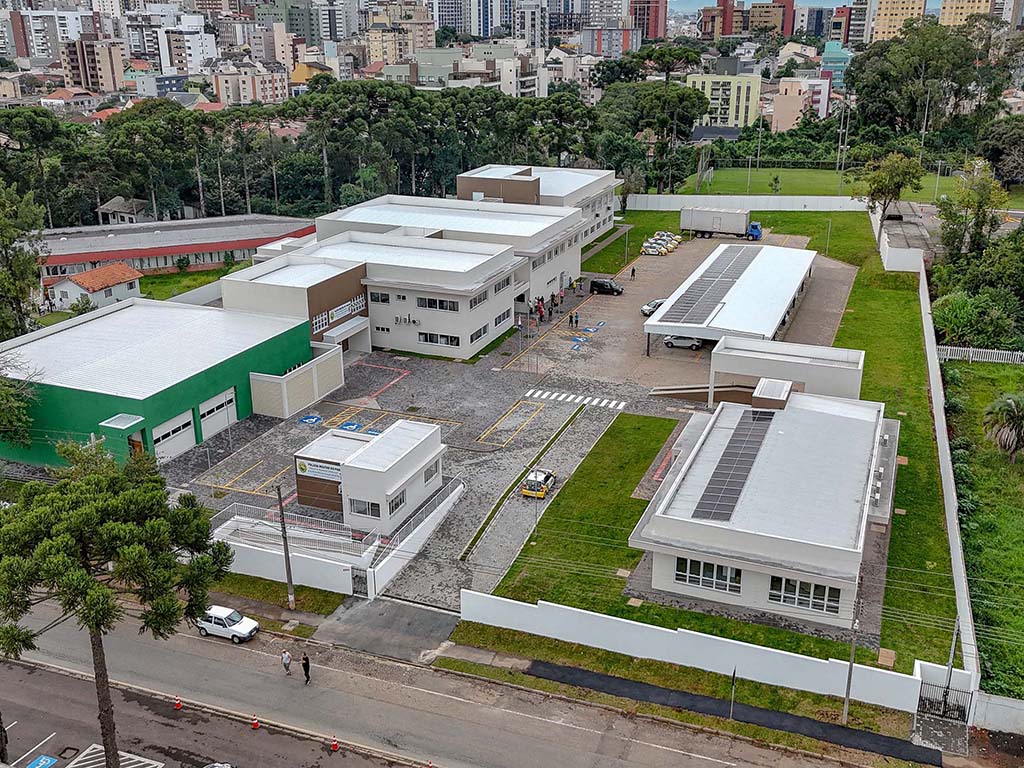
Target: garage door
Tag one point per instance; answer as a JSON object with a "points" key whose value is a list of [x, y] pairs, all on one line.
{"points": [[174, 437], [216, 413]]}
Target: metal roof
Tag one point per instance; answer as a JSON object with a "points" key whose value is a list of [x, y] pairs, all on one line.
{"points": [[392, 444], [334, 446], [138, 348], [555, 182], [300, 275]]}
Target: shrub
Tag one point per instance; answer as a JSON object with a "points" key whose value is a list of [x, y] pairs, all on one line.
{"points": [[961, 443], [955, 405], [952, 376], [963, 475], [182, 263]]}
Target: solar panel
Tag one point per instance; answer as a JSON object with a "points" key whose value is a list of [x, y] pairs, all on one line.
{"points": [[723, 490], [699, 300]]}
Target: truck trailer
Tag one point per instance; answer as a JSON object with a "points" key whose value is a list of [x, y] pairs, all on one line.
{"points": [[707, 222]]}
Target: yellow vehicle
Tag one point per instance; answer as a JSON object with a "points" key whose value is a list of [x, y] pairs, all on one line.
{"points": [[539, 483]]}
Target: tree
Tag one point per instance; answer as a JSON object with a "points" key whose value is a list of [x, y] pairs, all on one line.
{"points": [[445, 36], [628, 69], [633, 181], [21, 254], [886, 181], [970, 215], [1004, 424], [81, 305], [787, 70], [16, 398], [776, 184], [101, 547], [182, 263], [669, 58]]}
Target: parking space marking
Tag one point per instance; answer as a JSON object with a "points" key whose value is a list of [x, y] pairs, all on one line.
{"points": [[370, 424], [537, 408], [240, 475], [263, 485], [37, 746], [8, 727], [95, 757]]}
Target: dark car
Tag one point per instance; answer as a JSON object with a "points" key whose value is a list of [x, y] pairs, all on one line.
{"points": [[602, 285]]}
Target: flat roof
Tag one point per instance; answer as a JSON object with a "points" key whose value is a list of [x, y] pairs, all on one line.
{"points": [[502, 219], [391, 445], [138, 347], [413, 252], [787, 351], [334, 446], [158, 234], [300, 275], [557, 182], [739, 289], [808, 479]]}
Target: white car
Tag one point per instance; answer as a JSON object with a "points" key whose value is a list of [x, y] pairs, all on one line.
{"points": [[227, 622], [649, 308], [683, 341]]}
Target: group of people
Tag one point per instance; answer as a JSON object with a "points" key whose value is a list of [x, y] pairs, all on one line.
{"points": [[286, 662]]}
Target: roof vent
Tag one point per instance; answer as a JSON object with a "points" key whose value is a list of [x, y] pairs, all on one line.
{"points": [[885, 440], [771, 393]]}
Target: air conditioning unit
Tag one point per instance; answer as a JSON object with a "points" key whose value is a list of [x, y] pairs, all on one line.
{"points": [[885, 440], [880, 472], [398, 318], [875, 499], [415, 321], [878, 486]]}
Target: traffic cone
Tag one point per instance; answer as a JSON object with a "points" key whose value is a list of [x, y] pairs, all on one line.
{"points": [[334, 744], [255, 723], [177, 702]]}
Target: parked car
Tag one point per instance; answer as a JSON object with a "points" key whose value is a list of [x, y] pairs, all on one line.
{"points": [[652, 250], [539, 483], [650, 245], [671, 235], [683, 341], [648, 309], [605, 285], [227, 622], [664, 242]]}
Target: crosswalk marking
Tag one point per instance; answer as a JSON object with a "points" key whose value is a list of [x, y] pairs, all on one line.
{"points": [[621, 405], [530, 393], [604, 403], [562, 397], [570, 398]]}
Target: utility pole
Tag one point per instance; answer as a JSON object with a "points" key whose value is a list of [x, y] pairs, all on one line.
{"points": [[749, 159], [949, 667], [938, 172], [849, 671], [924, 126], [287, 556], [760, 130]]}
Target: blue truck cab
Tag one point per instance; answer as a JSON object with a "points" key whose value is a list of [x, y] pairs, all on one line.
{"points": [[754, 231]]}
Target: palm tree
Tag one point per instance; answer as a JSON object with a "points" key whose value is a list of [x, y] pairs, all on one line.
{"points": [[1004, 424]]}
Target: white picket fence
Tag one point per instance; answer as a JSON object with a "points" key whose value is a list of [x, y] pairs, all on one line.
{"points": [[975, 355]]}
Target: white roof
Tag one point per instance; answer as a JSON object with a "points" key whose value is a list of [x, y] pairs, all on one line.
{"points": [[334, 446], [790, 352], [754, 305], [391, 445], [300, 275], [414, 252], [139, 347], [811, 476], [556, 182]]}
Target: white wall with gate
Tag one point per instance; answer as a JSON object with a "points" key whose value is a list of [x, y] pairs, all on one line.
{"points": [[707, 652], [307, 569], [749, 202], [284, 396]]}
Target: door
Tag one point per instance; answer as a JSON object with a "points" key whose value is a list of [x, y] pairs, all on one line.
{"points": [[174, 436], [716, 224], [217, 413], [219, 627]]}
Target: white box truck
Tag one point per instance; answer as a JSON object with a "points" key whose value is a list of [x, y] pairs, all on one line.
{"points": [[707, 222]]}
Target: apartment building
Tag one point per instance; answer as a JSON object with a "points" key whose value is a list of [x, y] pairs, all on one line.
{"points": [[39, 34], [834, 62], [93, 64], [185, 51], [954, 13], [611, 40], [391, 41], [530, 22], [812, 20], [735, 99], [890, 16], [797, 96], [245, 81], [650, 16], [765, 16], [337, 19], [564, 67], [839, 25]]}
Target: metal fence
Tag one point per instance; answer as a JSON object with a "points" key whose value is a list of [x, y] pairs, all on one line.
{"points": [[332, 535], [975, 355], [413, 522], [945, 702]]}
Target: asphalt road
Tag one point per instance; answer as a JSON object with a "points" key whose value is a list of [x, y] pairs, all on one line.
{"points": [[399, 708], [50, 714]]}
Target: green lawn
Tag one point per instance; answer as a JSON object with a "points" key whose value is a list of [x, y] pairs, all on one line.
{"points": [[994, 535], [53, 318], [165, 286], [612, 258], [275, 592]]}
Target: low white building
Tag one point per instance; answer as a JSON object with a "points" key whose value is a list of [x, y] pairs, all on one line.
{"points": [[739, 290], [767, 506], [102, 286], [376, 481]]}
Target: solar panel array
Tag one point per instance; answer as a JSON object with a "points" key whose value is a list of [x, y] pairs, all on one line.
{"points": [[723, 490], [698, 301]]}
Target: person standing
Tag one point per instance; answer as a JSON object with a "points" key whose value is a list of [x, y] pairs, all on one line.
{"points": [[305, 668], [632, 273], [286, 661], [577, 319]]}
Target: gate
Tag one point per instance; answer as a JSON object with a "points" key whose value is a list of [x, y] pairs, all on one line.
{"points": [[945, 702]]}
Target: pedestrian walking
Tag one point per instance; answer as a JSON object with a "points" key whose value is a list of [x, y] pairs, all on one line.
{"points": [[305, 668], [286, 661], [632, 273]]}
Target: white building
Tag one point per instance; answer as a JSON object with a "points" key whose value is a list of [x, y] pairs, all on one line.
{"points": [[739, 290], [184, 51], [377, 481], [531, 22], [103, 285], [767, 506]]}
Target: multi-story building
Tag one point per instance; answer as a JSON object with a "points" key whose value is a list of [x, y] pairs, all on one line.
{"points": [[651, 16], [337, 19], [531, 22], [155, 86], [891, 14], [482, 16], [766, 16], [797, 96], [612, 41], [734, 99], [386, 42], [839, 25], [235, 30], [39, 34], [812, 20], [448, 13], [564, 67], [834, 61], [245, 81], [185, 51], [862, 20], [954, 13], [604, 11], [112, 8], [93, 64]]}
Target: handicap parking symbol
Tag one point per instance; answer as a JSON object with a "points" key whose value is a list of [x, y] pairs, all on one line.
{"points": [[372, 432], [580, 339], [576, 347], [351, 426], [311, 419], [591, 330], [600, 324], [43, 761]]}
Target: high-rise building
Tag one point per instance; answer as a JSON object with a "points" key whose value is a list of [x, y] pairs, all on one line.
{"points": [[93, 64], [113, 8], [812, 19], [185, 51], [337, 19], [953, 13], [766, 16], [839, 25], [531, 22], [891, 14], [834, 61], [862, 19], [448, 13], [604, 11], [734, 99], [651, 16], [481, 16], [612, 41]]}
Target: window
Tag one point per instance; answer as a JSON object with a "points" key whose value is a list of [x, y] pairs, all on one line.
{"points": [[399, 297], [477, 300], [131, 285], [430, 472], [381, 329], [396, 503], [501, 285], [180, 428], [708, 575], [63, 294], [502, 317], [380, 298], [538, 262], [439, 338], [218, 407], [447, 305], [479, 333], [320, 322], [367, 508], [804, 594]]}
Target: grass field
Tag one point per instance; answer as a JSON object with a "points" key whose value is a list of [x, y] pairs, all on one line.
{"points": [[275, 592], [994, 535], [53, 317], [613, 257], [165, 286]]}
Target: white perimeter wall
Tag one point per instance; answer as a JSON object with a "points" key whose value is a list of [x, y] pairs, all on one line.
{"points": [[200, 296], [284, 396], [306, 569], [998, 713], [895, 259], [707, 652], [749, 202]]}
